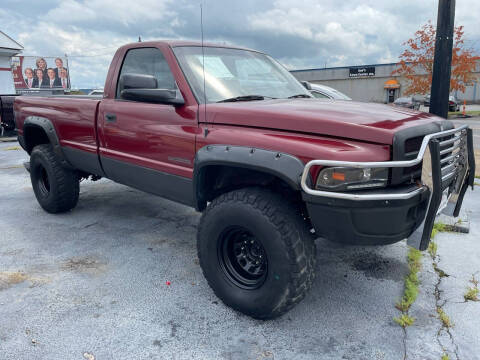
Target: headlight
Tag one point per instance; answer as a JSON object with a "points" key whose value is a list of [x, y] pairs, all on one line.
{"points": [[343, 178]]}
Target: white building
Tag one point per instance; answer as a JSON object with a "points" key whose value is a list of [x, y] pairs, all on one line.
{"points": [[375, 82], [8, 48]]}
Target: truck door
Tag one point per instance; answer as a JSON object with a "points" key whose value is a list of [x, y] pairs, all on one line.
{"points": [[146, 145]]}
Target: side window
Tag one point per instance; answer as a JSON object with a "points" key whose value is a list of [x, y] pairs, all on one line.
{"points": [[148, 61]]}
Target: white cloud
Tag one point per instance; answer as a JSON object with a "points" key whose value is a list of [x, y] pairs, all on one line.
{"points": [[124, 12], [300, 33]]}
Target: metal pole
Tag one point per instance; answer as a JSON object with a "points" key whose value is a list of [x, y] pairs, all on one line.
{"points": [[442, 62]]}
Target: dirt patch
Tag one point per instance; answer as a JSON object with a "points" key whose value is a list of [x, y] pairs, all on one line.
{"points": [[85, 264], [8, 279]]}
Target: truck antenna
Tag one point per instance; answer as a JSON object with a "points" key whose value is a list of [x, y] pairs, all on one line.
{"points": [[203, 69]]}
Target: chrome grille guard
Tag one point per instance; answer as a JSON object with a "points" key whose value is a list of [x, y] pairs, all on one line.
{"points": [[447, 175]]}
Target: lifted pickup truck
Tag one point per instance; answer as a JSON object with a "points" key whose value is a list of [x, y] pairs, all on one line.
{"points": [[230, 132]]}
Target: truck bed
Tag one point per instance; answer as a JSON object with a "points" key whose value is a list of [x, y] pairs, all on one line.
{"points": [[74, 118]]}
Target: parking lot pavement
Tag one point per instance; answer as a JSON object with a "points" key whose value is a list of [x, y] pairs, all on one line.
{"points": [[92, 283]]}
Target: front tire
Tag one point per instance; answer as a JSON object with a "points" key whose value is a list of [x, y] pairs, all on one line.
{"points": [[56, 188], [256, 252]]}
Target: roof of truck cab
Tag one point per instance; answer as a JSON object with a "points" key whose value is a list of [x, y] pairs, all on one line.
{"points": [[179, 43]]}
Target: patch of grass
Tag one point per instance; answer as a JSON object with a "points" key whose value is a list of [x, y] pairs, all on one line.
{"points": [[12, 148], [439, 271], [439, 227], [410, 291], [432, 249], [444, 318], [470, 112], [410, 294], [414, 258], [404, 320], [472, 292]]}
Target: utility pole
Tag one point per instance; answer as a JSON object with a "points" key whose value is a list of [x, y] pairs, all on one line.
{"points": [[442, 62]]}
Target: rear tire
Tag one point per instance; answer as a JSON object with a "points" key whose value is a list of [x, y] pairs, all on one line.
{"points": [[256, 252], [56, 188]]}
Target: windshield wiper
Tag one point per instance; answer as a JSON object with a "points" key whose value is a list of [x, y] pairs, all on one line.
{"points": [[246, 98], [300, 96]]}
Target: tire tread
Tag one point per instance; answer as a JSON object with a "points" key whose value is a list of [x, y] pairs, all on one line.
{"points": [[67, 193], [301, 252]]}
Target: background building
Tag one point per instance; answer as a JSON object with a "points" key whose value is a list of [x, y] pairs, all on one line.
{"points": [[8, 48], [373, 82]]}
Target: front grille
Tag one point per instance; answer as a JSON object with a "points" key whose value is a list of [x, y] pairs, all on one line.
{"points": [[452, 155]]}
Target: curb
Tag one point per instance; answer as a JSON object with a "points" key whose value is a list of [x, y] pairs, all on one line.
{"points": [[460, 224]]}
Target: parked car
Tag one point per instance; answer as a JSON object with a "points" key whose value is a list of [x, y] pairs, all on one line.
{"points": [[453, 103], [7, 122], [426, 101], [407, 102], [270, 167], [327, 92], [97, 92]]}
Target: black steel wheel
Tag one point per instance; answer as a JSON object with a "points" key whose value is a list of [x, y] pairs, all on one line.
{"points": [[242, 257]]}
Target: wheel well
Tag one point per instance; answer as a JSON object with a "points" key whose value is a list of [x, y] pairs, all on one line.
{"points": [[34, 135], [214, 180]]}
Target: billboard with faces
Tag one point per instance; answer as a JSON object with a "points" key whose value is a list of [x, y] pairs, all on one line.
{"points": [[36, 73]]}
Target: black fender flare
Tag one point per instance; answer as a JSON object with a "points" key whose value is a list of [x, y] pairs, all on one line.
{"points": [[287, 167], [47, 126]]}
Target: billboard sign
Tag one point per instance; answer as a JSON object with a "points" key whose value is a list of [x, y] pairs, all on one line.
{"points": [[361, 71], [35, 73]]}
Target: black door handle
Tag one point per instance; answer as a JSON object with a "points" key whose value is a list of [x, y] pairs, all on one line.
{"points": [[110, 117]]}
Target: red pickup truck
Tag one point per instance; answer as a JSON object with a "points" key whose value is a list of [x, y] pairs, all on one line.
{"points": [[230, 132]]}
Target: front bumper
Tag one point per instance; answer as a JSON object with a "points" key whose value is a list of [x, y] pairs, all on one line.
{"points": [[387, 216]]}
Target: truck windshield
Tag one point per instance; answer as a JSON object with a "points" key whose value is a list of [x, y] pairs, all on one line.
{"points": [[236, 74]]}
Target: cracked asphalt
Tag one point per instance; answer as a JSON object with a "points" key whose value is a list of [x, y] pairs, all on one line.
{"points": [[92, 284]]}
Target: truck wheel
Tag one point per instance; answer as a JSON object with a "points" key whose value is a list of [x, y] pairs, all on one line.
{"points": [[55, 187], [256, 252]]}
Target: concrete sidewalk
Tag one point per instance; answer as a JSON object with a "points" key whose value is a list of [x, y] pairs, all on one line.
{"points": [[445, 279]]}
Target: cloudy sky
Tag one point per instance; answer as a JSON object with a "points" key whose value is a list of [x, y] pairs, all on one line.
{"points": [[298, 33]]}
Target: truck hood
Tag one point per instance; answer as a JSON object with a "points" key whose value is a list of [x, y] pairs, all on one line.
{"points": [[347, 119]]}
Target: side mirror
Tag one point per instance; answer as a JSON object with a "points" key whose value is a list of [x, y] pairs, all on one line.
{"points": [[137, 81], [159, 96], [306, 85], [137, 87]]}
